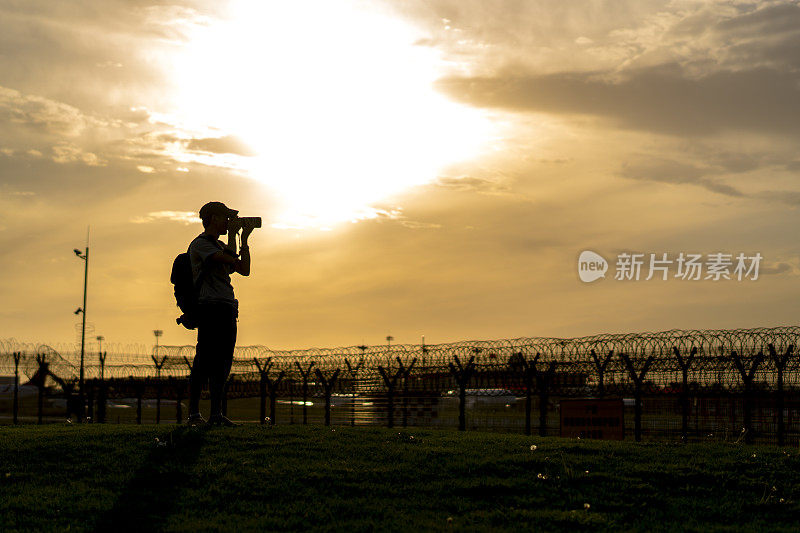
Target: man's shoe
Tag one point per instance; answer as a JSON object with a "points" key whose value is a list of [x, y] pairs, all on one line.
{"points": [[196, 420], [221, 420]]}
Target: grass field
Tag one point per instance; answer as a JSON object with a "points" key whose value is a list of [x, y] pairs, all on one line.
{"points": [[257, 478]]}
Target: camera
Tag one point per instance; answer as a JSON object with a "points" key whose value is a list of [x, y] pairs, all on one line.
{"points": [[250, 222], [244, 223]]}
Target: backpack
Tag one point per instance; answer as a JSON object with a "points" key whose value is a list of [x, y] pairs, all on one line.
{"points": [[186, 291]]}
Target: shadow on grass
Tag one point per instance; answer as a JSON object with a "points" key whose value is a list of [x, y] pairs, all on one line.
{"points": [[154, 490]]}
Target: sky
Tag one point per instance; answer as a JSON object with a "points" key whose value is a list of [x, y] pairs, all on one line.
{"points": [[425, 168]]}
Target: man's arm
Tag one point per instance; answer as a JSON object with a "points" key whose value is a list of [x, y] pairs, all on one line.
{"points": [[228, 255], [243, 265]]}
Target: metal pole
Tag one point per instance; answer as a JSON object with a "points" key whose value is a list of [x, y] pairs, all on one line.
{"points": [[83, 327], [157, 333], [85, 258], [100, 355]]}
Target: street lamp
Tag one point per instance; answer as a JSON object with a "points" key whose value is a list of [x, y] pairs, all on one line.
{"points": [[85, 256]]}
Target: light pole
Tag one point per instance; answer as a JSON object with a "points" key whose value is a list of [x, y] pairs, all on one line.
{"points": [[82, 310], [424, 351], [157, 333], [389, 340], [102, 357]]}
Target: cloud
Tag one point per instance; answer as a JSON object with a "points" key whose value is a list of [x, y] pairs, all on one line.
{"points": [[710, 172], [145, 169], [221, 145], [680, 68], [791, 198], [395, 215], [778, 268], [42, 114], [670, 171], [67, 153], [470, 183], [413, 224], [186, 217], [769, 36], [661, 99]]}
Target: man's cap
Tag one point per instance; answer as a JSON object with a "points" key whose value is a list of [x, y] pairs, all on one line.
{"points": [[216, 208]]}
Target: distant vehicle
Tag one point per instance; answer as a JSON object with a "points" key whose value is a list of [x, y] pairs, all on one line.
{"points": [[123, 403], [484, 397], [25, 391], [341, 400], [28, 395]]}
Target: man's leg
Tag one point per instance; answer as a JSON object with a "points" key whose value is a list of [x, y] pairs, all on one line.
{"points": [[223, 356], [200, 366]]}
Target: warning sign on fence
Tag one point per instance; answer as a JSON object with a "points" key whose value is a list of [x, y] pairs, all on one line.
{"points": [[592, 419]]}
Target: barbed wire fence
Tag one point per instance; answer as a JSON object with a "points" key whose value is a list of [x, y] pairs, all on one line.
{"points": [[688, 384]]}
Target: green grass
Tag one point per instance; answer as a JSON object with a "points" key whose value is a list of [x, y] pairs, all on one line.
{"points": [[257, 478]]}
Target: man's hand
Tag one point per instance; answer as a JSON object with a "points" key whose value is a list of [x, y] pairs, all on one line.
{"points": [[234, 225], [243, 265]]}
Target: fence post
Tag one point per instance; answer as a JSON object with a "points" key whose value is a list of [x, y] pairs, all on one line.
{"points": [[101, 401], [600, 366], [69, 391], [543, 382], [747, 378], [390, 382], [305, 374], [353, 371], [178, 385], [90, 386], [527, 376], [273, 396], [462, 373], [327, 386], [780, 364], [405, 373], [41, 375], [139, 393], [273, 389], [17, 357], [423, 368], [225, 388], [685, 364], [291, 400], [188, 381], [262, 387], [102, 358], [638, 380], [159, 363]]}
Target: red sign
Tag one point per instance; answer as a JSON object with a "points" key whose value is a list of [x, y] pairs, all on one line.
{"points": [[592, 419]]}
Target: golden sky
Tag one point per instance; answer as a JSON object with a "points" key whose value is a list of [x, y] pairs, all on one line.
{"points": [[422, 167]]}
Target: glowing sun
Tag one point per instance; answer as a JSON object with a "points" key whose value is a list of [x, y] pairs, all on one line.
{"points": [[335, 99]]}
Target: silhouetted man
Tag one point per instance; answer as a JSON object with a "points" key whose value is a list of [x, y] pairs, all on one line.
{"points": [[212, 264]]}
